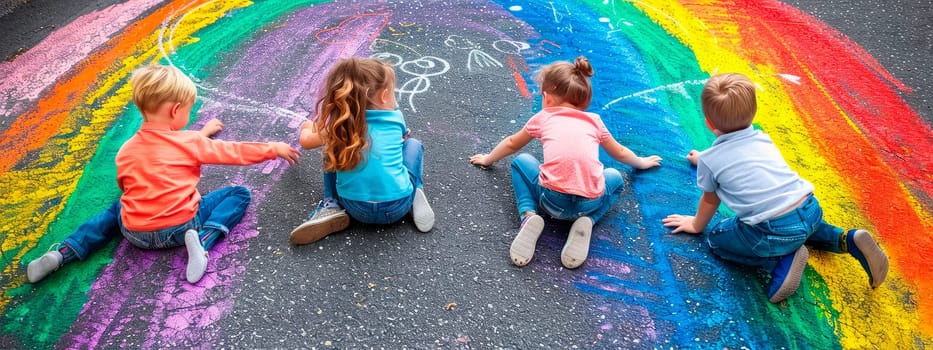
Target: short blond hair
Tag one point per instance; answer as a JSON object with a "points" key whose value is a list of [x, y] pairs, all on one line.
{"points": [[154, 85], [729, 102]]}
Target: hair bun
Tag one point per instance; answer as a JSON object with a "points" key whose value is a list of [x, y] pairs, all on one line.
{"points": [[581, 65]]}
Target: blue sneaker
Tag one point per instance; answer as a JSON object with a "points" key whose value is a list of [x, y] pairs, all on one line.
{"points": [[785, 278], [863, 248]]}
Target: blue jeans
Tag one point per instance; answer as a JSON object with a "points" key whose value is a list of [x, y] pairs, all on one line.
{"points": [[382, 212], [218, 210], [763, 244], [530, 195]]}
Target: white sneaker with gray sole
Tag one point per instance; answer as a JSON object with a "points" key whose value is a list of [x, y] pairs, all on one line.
{"points": [[197, 257], [43, 266], [421, 212], [578, 243], [523, 247]]}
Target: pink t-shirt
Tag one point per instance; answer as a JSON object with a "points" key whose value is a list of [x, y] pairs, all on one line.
{"points": [[570, 139]]}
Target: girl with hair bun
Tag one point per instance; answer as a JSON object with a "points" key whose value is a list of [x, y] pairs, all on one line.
{"points": [[571, 184]]}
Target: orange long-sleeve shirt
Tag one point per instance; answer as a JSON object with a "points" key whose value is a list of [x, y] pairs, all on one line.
{"points": [[158, 170]]}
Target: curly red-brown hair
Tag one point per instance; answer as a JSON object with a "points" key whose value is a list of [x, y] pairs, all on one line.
{"points": [[350, 88]]}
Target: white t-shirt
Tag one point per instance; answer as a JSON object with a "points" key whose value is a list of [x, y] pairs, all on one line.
{"points": [[750, 176]]}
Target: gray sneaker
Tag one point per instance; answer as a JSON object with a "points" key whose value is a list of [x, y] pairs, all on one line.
{"points": [[43, 266], [323, 222], [421, 212], [197, 257], [523, 247], [578, 243]]}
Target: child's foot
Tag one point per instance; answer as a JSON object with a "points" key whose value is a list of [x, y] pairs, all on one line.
{"points": [[421, 212], [324, 221], [578, 243], [864, 248], [523, 247], [785, 278], [197, 257], [43, 266]]}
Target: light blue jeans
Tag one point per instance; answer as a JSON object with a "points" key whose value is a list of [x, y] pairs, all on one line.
{"points": [[530, 195], [763, 244], [382, 212], [218, 210]]}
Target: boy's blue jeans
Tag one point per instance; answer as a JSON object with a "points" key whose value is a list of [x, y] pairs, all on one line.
{"points": [[218, 210], [765, 243], [382, 212], [530, 195]]}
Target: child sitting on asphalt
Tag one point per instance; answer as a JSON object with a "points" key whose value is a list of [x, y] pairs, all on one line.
{"points": [[571, 184], [158, 170], [372, 169], [776, 212]]}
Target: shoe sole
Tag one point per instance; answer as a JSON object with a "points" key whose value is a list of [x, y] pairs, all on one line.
{"points": [[874, 256], [577, 247], [313, 231], [194, 272], [39, 269], [523, 247], [422, 213], [794, 275]]}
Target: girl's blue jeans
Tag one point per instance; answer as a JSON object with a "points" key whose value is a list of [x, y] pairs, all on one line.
{"points": [[218, 210], [530, 195], [382, 212], [763, 244]]}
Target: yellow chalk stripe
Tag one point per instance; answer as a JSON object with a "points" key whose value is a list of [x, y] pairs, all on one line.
{"points": [[859, 326]]}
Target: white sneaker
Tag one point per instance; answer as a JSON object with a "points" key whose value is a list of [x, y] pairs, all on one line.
{"points": [[523, 247], [43, 266], [578, 243], [421, 212], [197, 257]]}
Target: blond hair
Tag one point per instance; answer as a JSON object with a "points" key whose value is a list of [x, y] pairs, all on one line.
{"points": [[729, 102], [568, 81], [154, 85], [351, 86]]}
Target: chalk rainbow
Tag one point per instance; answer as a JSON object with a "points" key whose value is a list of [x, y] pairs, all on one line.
{"points": [[826, 102]]}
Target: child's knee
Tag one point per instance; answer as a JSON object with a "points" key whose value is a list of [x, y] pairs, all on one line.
{"points": [[523, 159], [242, 192]]}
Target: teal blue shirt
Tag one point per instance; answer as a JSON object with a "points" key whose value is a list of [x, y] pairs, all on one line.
{"points": [[381, 176]]}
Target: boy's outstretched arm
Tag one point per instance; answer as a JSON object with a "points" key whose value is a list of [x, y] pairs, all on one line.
{"points": [[505, 147], [286, 152], [709, 203], [625, 155], [307, 138]]}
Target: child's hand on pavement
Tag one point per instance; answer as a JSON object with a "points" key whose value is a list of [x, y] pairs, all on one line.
{"points": [[649, 162], [680, 223], [693, 156], [286, 152], [481, 159], [211, 128]]}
